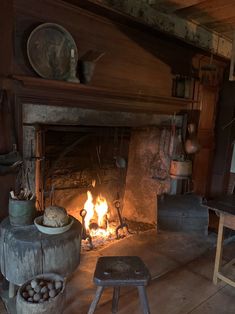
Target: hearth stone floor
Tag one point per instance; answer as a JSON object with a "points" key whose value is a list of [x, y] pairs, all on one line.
{"points": [[181, 267]]}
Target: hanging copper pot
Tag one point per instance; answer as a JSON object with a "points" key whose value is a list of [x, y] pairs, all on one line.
{"points": [[192, 145]]}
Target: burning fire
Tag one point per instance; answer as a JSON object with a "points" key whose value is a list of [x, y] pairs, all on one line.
{"points": [[89, 207], [96, 212], [101, 208]]}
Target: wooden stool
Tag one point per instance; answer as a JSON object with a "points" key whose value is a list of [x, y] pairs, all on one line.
{"points": [[120, 271]]}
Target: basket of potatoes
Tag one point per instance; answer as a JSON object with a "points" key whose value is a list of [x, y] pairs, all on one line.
{"points": [[42, 294]]}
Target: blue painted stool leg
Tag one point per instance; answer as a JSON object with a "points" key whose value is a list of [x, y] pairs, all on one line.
{"points": [[143, 299], [96, 299], [116, 293]]}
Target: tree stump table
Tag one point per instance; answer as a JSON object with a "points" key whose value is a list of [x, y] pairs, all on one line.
{"points": [[26, 252]]}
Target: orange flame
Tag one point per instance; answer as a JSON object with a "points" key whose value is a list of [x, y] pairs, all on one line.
{"points": [[89, 207], [101, 208]]}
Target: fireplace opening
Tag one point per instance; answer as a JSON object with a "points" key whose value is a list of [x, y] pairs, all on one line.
{"points": [[79, 159], [106, 177], [83, 169]]}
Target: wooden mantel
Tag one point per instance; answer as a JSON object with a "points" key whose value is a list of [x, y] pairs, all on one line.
{"points": [[52, 92]]}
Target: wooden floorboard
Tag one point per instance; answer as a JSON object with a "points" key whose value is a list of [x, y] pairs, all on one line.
{"points": [[181, 266]]}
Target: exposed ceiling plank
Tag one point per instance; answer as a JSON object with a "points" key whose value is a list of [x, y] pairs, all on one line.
{"points": [[215, 14], [229, 34], [205, 7], [219, 25], [171, 6]]}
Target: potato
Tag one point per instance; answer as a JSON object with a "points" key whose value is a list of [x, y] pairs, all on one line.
{"points": [[37, 288], [31, 293], [52, 293], [37, 297], [25, 294], [58, 284], [34, 283], [28, 287], [44, 289], [45, 296], [50, 286]]}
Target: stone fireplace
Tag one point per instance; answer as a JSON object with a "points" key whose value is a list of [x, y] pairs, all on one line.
{"points": [[119, 155]]}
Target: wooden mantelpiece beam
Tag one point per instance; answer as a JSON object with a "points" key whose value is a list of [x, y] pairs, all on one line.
{"points": [[51, 92]]}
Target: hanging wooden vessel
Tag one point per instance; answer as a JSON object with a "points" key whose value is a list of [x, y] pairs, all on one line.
{"points": [[192, 145]]}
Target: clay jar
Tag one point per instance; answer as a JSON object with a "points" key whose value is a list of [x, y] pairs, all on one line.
{"points": [[192, 145]]}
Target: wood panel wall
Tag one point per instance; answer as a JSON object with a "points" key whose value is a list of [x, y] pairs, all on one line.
{"points": [[223, 141], [135, 61], [203, 160]]}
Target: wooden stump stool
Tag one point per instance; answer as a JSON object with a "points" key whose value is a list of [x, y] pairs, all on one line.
{"points": [[120, 271], [25, 252]]}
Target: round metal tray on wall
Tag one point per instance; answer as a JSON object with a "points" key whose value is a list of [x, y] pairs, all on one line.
{"points": [[49, 49]]}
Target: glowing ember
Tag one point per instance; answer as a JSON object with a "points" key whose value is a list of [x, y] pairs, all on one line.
{"points": [[102, 233]]}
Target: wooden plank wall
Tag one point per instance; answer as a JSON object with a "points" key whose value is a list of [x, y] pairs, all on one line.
{"points": [[224, 138], [134, 61], [203, 160]]}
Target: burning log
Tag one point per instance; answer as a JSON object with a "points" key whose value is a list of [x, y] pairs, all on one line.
{"points": [[96, 214], [93, 225]]}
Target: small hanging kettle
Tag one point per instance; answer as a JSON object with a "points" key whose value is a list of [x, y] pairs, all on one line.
{"points": [[192, 145]]}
